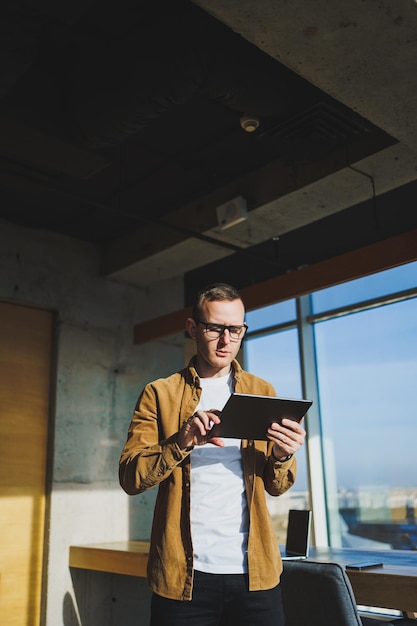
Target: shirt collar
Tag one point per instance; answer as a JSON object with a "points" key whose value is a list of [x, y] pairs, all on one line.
{"points": [[194, 380]]}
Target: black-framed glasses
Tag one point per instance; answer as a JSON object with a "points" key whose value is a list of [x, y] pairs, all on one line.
{"points": [[215, 331]]}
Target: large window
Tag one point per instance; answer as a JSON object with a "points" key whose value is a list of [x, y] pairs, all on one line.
{"points": [[361, 371]]}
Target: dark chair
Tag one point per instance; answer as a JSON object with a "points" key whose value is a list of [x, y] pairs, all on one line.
{"points": [[320, 594]]}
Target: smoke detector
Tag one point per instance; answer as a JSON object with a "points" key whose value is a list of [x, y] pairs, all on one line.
{"points": [[249, 123]]}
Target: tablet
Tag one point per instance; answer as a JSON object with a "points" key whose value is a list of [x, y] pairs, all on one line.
{"points": [[247, 416]]}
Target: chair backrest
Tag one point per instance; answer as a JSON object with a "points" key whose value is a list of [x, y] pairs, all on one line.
{"points": [[317, 594]]}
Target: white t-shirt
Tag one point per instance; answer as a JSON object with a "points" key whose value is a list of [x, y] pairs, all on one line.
{"points": [[219, 516]]}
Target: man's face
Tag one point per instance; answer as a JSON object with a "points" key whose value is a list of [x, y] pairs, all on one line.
{"points": [[214, 356]]}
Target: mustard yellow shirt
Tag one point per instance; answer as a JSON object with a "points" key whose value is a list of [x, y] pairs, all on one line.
{"points": [[152, 456]]}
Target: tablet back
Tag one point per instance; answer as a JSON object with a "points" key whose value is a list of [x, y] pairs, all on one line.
{"points": [[248, 416]]}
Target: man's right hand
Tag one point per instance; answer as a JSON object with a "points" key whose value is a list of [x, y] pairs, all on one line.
{"points": [[196, 430]]}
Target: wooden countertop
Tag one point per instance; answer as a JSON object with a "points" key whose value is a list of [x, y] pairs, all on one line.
{"points": [[392, 586], [118, 557]]}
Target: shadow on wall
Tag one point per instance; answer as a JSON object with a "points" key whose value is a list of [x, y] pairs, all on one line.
{"points": [[104, 599], [69, 613], [141, 508]]}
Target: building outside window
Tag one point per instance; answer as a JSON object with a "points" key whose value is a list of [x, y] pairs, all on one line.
{"points": [[352, 349]]}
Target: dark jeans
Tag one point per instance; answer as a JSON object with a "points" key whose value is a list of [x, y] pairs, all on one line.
{"points": [[220, 600]]}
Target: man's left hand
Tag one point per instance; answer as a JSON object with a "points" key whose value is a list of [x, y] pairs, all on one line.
{"points": [[288, 437]]}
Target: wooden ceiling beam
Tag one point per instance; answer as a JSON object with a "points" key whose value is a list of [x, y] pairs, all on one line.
{"points": [[355, 264]]}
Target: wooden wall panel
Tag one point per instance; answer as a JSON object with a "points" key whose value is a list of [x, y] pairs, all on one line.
{"points": [[25, 365]]}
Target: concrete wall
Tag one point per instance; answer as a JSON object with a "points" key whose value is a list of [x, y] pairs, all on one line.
{"points": [[99, 376]]}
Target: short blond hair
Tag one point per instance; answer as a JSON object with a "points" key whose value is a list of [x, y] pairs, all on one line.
{"points": [[212, 293]]}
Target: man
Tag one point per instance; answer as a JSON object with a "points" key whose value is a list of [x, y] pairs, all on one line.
{"points": [[213, 550]]}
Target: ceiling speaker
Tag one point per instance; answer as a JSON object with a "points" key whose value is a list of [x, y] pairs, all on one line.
{"points": [[232, 212]]}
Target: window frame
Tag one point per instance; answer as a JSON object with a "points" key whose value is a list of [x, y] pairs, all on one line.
{"points": [[325, 506]]}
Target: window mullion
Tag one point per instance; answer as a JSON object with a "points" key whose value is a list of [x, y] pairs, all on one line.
{"points": [[314, 448]]}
